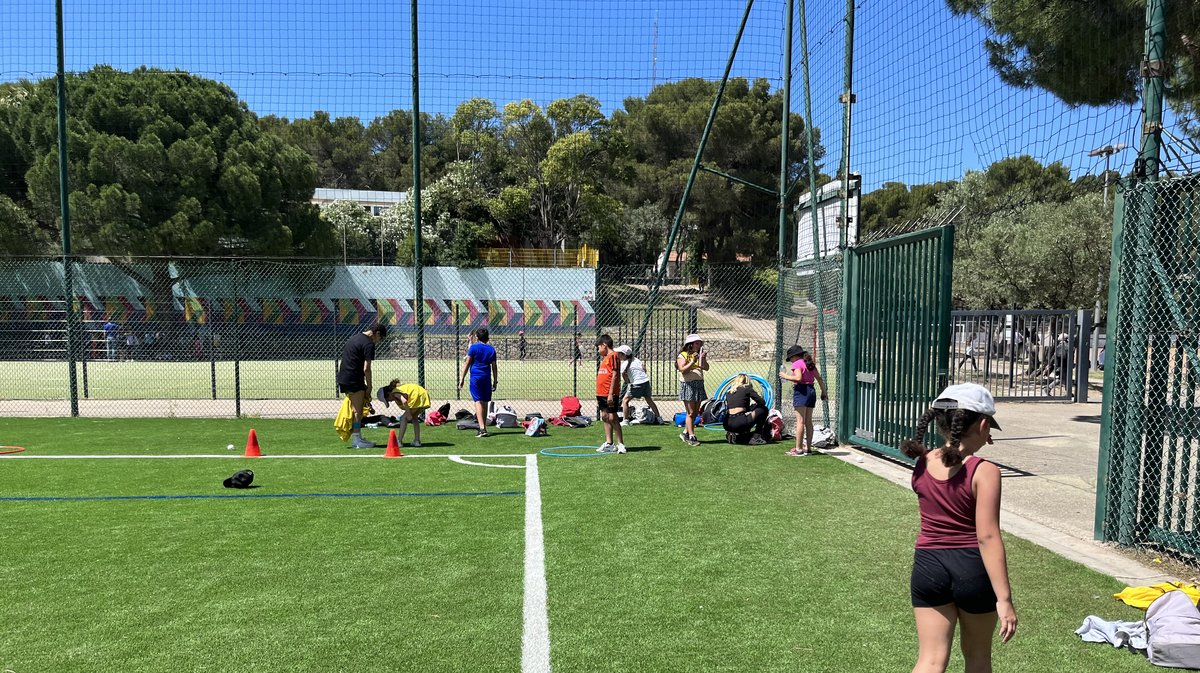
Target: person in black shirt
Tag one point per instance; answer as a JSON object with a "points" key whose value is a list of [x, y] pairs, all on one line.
{"points": [[746, 410], [354, 376]]}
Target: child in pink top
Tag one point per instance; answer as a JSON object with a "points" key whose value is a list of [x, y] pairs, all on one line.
{"points": [[803, 373]]}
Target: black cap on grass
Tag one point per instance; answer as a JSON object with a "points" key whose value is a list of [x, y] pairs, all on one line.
{"points": [[240, 479]]}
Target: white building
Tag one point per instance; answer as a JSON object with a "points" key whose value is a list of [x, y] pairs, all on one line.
{"points": [[373, 201]]}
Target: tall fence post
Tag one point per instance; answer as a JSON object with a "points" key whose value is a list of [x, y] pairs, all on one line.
{"points": [[65, 211], [576, 354], [457, 354], [237, 347], [1082, 355], [418, 270]]}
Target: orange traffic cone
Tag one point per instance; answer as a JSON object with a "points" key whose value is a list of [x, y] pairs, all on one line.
{"points": [[252, 450], [393, 447]]}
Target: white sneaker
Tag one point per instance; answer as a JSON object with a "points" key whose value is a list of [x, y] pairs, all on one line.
{"points": [[626, 423], [606, 447], [620, 448], [360, 443], [416, 445]]}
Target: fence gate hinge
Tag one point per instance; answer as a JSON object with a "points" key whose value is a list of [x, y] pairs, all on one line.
{"points": [[848, 97]]}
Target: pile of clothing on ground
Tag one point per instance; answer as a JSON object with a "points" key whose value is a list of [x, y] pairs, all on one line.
{"points": [[1169, 635]]}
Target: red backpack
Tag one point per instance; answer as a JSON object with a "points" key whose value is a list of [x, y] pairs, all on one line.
{"points": [[571, 407], [775, 424]]}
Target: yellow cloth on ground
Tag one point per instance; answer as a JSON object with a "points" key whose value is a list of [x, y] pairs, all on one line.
{"points": [[418, 397], [1142, 597], [344, 423]]}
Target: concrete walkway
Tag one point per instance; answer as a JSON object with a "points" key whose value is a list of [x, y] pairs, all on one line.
{"points": [[1048, 455]]}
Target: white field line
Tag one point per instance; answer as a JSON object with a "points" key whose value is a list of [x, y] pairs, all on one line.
{"points": [[535, 643], [464, 461], [238, 456]]}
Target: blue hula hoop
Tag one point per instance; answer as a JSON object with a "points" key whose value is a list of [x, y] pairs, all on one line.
{"points": [[768, 391], [552, 451]]}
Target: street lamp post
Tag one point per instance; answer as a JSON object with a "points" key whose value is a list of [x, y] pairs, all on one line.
{"points": [[1107, 152]]}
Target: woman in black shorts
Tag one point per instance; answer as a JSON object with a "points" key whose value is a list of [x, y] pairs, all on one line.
{"points": [[960, 572]]}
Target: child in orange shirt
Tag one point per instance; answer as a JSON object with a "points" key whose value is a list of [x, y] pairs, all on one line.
{"points": [[608, 386]]}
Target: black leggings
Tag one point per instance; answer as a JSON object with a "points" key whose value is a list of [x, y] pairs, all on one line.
{"points": [[740, 423]]}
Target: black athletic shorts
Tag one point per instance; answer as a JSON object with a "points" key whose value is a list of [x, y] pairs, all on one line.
{"points": [[603, 406], [945, 576], [348, 388]]}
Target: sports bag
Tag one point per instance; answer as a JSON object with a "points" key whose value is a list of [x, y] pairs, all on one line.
{"points": [[506, 417], [536, 427], [775, 424], [713, 412], [644, 416], [571, 406]]}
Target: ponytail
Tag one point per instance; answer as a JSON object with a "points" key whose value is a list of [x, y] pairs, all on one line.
{"points": [[958, 421], [915, 447], [952, 424]]}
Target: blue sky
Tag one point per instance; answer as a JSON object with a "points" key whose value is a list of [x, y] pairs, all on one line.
{"points": [[929, 108]]}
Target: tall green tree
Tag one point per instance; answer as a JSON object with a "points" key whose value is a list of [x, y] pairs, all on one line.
{"points": [[1049, 255], [165, 163], [723, 219], [1089, 53], [1027, 236], [895, 203], [559, 165], [340, 147], [455, 220]]}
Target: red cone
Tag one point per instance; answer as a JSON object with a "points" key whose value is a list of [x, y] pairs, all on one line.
{"points": [[393, 447], [252, 450]]}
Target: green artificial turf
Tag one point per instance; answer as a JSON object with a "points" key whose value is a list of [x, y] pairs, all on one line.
{"points": [[670, 558]]}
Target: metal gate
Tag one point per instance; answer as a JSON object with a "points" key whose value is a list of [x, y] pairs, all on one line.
{"points": [[896, 350], [1030, 354]]}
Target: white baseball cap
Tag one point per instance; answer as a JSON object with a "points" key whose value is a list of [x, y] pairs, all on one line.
{"points": [[624, 350], [691, 338], [969, 396]]}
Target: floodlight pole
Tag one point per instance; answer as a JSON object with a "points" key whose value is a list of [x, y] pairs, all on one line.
{"points": [[1107, 152]]}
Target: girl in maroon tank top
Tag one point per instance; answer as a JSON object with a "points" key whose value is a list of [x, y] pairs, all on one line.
{"points": [[960, 572]]}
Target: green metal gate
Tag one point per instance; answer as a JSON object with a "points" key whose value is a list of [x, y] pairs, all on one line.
{"points": [[896, 350]]}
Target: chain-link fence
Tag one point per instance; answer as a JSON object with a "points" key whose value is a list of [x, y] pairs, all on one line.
{"points": [[229, 337], [1149, 476]]}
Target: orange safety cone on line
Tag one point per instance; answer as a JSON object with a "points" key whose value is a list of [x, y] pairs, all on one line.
{"points": [[252, 450], [393, 447]]}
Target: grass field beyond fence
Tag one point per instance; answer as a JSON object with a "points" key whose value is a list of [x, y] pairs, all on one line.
{"points": [[314, 379], [670, 558]]}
